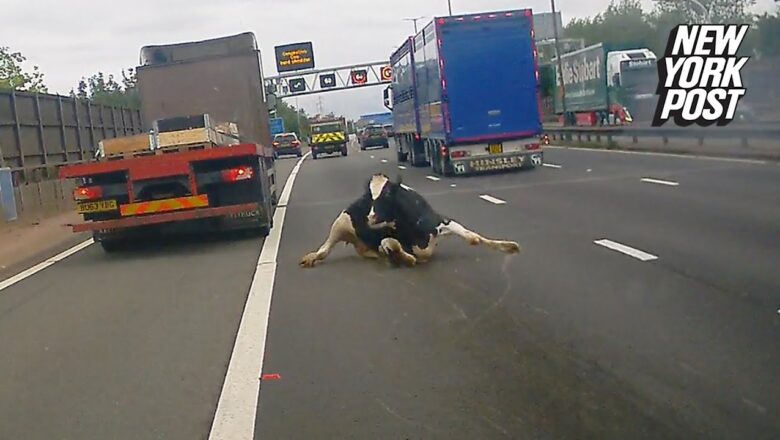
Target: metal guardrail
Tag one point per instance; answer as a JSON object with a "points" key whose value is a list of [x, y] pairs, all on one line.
{"points": [[41, 132], [745, 133]]}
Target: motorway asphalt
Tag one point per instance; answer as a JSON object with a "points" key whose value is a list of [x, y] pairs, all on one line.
{"points": [[566, 340]]}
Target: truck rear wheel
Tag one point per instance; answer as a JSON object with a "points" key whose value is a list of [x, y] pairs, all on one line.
{"points": [[111, 245]]}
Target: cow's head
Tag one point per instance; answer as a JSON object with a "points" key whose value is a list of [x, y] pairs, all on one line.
{"points": [[383, 204]]}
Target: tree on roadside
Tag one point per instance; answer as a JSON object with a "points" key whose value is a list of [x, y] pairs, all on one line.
{"points": [[105, 89], [289, 114], [13, 77], [720, 11]]}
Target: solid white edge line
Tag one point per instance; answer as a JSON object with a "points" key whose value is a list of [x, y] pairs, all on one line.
{"points": [[44, 264], [659, 181], [551, 165], [652, 153], [628, 250], [407, 187], [491, 199], [236, 411], [434, 178]]}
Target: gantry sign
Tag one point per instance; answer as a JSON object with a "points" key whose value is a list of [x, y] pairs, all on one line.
{"points": [[328, 80]]}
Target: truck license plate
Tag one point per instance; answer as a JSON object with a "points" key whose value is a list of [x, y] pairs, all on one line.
{"points": [[496, 148], [101, 206]]}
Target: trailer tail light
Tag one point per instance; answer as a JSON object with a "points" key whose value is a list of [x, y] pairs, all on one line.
{"points": [[87, 193], [532, 147], [238, 174], [443, 151], [458, 154], [545, 139], [417, 136]]}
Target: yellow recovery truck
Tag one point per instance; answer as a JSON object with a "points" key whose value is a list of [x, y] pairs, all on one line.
{"points": [[328, 136]]}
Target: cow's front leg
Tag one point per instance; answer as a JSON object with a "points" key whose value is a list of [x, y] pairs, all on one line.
{"points": [[341, 230], [453, 227], [393, 249]]}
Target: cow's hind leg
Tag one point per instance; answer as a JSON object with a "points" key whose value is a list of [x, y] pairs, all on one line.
{"points": [[341, 230], [364, 251], [425, 254], [396, 253], [453, 227]]}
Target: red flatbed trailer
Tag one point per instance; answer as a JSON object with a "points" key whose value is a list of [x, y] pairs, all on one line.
{"points": [[226, 184]]}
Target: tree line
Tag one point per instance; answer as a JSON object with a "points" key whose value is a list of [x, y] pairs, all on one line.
{"points": [[625, 24]]}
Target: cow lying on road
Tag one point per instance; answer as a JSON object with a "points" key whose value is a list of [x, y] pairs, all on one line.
{"points": [[392, 220]]}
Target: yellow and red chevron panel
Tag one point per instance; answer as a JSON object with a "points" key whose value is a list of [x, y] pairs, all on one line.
{"points": [[164, 205]]}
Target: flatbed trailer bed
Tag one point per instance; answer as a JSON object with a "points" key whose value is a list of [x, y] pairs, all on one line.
{"points": [[228, 184]]}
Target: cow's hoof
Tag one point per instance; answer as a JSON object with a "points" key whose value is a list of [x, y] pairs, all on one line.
{"points": [[309, 260], [510, 247]]}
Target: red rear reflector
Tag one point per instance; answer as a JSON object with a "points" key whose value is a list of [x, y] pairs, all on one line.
{"points": [[508, 14], [458, 154], [528, 13], [492, 16], [442, 21], [238, 174], [417, 136], [532, 146], [460, 19], [87, 193], [477, 17]]}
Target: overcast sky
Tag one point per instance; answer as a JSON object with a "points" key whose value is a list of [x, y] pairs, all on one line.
{"points": [[70, 39]]}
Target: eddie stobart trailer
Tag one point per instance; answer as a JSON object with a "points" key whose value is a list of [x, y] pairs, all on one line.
{"points": [[605, 87], [207, 160], [465, 94]]}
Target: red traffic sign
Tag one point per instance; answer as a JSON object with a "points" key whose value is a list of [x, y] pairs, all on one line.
{"points": [[359, 76], [386, 73]]}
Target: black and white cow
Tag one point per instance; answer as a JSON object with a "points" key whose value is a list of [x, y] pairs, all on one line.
{"points": [[393, 220]]}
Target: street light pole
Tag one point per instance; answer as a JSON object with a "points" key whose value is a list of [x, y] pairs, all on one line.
{"points": [[560, 63], [414, 20]]}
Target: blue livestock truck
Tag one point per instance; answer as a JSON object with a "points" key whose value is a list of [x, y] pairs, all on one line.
{"points": [[465, 94]]}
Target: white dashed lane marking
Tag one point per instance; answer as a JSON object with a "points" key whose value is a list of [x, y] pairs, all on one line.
{"points": [[491, 199], [659, 181], [372, 156], [407, 187], [551, 165], [628, 250], [453, 185], [401, 167], [434, 178], [383, 160]]}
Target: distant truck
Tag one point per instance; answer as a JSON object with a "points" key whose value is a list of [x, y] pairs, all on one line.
{"points": [[606, 87], [207, 158], [465, 94], [328, 136]]}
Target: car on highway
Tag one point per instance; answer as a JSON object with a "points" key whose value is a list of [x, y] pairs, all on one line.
{"points": [[287, 143], [374, 136], [389, 129]]}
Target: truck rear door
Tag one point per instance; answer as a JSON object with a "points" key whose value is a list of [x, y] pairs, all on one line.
{"points": [[490, 76]]}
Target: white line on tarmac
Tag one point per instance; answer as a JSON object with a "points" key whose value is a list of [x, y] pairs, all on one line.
{"points": [[491, 199], [407, 187], [434, 178], [628, 250], [551, 165], [383, 160], [452, 185], [650, 153], [43, 265], [659, 181], [401, 167], [237, 406], [372, 156]]}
